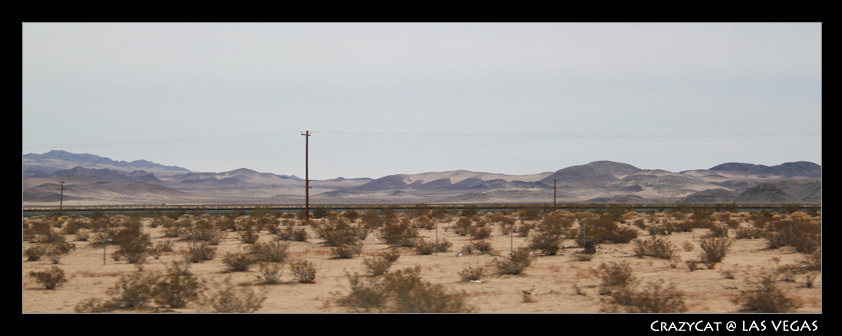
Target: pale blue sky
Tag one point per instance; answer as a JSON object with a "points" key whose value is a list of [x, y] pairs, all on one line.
{"points": [[389, 98]]}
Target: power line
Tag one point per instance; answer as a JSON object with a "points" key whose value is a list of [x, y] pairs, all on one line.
{"points": [[427, 134]]}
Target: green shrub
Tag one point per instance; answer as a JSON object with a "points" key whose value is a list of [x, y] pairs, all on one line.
{"points": [[51, 278]]}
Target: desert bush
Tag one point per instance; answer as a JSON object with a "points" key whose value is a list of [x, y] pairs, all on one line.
{"points": [[364, 296], [304, 271], [470, 273], [379, 264], [55, 251], [161, 247], [615, 276], [131, 242], [408, 293], [655, 298], [321, 212], [425, 247], [339, 232], [249, 235], [748, 233], [51, 278], [803, 235], [34, 252], [269, 251], [200, 253], [226, 297], [714, 249], [398, 232], [178, 286], [292, 233], [346, 251], [238, 261], [72, 226], [133, 291], [94, 305], [270, 273], [531, 212], [516, 262], [765, 296], [479, 246], [656, 247]]}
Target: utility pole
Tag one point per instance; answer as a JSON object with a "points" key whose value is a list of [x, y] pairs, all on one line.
{"points": [[554, 189], [61, 196], [306, 135]]}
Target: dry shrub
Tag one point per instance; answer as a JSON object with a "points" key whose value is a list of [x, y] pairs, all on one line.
{"points": [[270, 273], [516, 262], [408, 293], [133, 291], [339, 232], [226, 297], [479, 246], [34, 252], [200, 253], [399, 232], [379, 264], [657, 247], [51, 278], [470, 273], [238, 261], [654, 298], [269, 251], [178, 286], [765, 296], [803, 235], [714, 250], [615, 276], [304, 271], [364, 295]]}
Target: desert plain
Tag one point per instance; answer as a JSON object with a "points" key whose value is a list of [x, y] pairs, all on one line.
{"points": [[566, 282]]}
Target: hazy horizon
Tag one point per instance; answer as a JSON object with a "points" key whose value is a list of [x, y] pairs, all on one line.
{"points": [[405, 98]]}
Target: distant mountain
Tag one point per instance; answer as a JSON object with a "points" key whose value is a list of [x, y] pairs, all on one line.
{"points": [[94, 180], [789, 169], [59, 160]]}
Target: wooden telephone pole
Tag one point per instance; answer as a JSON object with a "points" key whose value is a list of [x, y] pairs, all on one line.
{"points": [[306, 135], [61, 197], [554, 189]]}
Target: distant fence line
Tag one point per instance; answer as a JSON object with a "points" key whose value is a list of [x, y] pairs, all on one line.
{"points": [[36, 210]]}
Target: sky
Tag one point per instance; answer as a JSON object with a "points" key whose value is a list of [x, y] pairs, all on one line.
{"points": [[403, 98]]}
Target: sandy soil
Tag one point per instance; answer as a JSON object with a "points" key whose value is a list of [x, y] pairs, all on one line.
{"points": [[558, 284]]}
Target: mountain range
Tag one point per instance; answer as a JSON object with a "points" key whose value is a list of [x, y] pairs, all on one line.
{"points": [[93, 180]]}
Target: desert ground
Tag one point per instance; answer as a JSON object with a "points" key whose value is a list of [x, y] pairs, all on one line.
{"points": [[563, 283]]}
